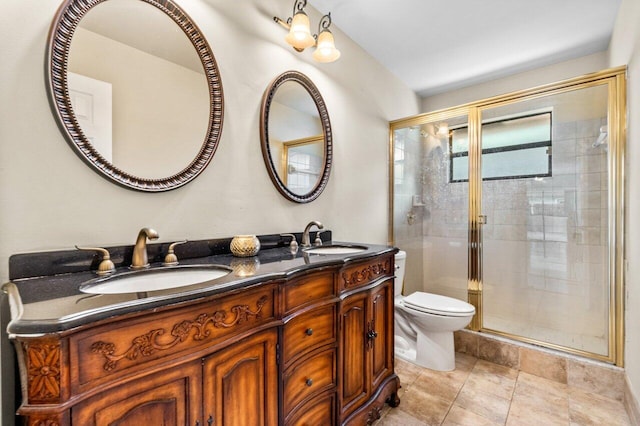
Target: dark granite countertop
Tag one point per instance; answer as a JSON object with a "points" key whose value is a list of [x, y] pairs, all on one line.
{"points": [[54, 303]]}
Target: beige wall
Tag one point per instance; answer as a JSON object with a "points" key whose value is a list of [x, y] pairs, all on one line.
{"points": [[521, 81], [51, 200], [625, 49]]}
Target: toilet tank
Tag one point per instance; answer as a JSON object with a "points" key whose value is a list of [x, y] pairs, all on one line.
{"points": [[401, 259]]}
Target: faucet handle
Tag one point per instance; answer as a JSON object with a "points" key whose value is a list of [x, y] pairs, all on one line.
{"points": [[171, 259], [293, 245], [106, 266], [318, 240]]}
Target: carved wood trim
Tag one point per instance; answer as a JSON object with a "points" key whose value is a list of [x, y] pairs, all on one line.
{"points": [[43, 422], [43, 372], [374, 414], [366, 273], [149, 343]]}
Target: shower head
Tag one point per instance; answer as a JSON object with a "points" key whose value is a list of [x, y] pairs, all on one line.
{"points": [[602, 137]]}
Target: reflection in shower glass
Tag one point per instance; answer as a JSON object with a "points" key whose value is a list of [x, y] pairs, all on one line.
{"points": [[545, 256]]}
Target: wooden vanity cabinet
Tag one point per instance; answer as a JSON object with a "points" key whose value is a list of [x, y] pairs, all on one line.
{"points": [[313, 349], [366, 343]]}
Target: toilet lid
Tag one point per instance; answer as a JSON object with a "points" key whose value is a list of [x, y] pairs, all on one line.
{"points": [[437, 304]]}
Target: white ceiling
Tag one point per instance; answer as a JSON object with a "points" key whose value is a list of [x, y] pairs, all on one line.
{"points": [[440, 45]]}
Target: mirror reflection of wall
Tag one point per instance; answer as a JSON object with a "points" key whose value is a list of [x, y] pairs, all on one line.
{"points": [[296, 138], [159, 91]]}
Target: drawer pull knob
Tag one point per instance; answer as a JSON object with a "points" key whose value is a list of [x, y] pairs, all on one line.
{"points": [[309, 382], [309, 331]]}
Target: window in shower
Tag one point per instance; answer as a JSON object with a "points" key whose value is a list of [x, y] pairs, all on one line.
{"points": [[513, 148]]}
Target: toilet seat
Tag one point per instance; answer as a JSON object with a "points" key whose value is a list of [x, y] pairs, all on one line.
{"points": [[437, 305]]}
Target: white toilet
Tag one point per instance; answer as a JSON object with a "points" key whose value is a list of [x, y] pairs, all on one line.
{"points": [[425, 322]]}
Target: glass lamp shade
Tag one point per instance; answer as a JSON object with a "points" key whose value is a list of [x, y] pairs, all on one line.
{"points": [[299, 34], [443, 130], [326, 50]]}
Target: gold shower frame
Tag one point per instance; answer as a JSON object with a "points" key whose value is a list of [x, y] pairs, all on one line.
{"points": [[615, 79]]}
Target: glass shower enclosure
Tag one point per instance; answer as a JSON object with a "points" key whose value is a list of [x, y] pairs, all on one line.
{"points": [[515, 204]]}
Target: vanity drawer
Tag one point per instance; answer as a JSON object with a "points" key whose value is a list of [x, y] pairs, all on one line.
{"points": [[308, 289], [364, 273], [113, 350], [309, 331], [310, 377], [319, 411]]}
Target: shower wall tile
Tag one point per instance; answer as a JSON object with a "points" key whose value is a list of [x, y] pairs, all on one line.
{"points": [[517, 216], [584, 146], [564, 130], [588, 217], [563, 181], [564, 147], [590, 164], [589, 199], [510, 232], [563, 164], [588, 128], [588, 181]]}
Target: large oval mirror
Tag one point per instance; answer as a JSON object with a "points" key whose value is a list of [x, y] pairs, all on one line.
{"points": [[136, 90], [296, 137]]}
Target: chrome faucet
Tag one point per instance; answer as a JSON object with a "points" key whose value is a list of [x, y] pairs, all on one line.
{"points": [[139, 259], [306, 240]]}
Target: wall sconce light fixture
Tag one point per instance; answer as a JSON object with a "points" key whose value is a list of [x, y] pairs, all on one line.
{"points": [[300, 37]]}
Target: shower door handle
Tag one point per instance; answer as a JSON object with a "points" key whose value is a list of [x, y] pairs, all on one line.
{"points": [[482, 219]]}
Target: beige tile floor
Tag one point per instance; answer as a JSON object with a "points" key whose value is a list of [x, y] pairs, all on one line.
{"points": [[480, 393]]}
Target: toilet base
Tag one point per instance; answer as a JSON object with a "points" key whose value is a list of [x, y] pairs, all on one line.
{"points": [[435, 350], [404, 350]]}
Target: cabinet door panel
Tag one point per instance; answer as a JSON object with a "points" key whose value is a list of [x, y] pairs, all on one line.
{"points": [[354, 360], [241, 383], [382, 326], [160, 399]]}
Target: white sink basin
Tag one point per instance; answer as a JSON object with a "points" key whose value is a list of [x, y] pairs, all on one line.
{"points": [[335, 249], [154, 280]]}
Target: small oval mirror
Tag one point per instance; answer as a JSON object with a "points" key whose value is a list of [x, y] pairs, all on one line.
{"points": [[136, 90], [296, 138]]}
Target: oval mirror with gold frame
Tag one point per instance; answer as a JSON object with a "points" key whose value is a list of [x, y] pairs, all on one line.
{"points": [[136, 90], [296, 139]]}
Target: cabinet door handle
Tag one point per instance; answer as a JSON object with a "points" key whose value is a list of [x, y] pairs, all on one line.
{"points": [[309, 331], [372, 334], [210, 420], [309, 382]]}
